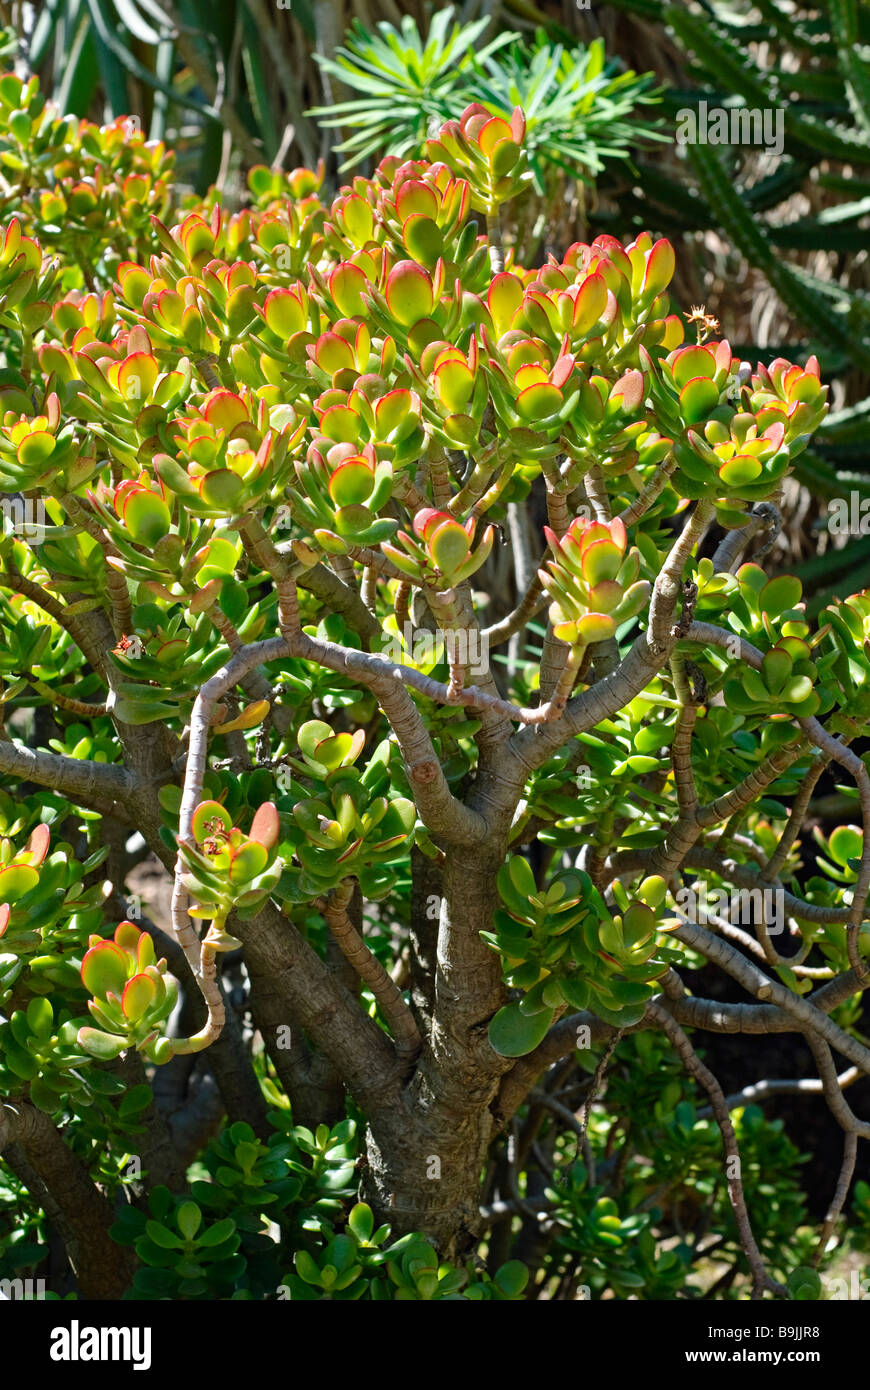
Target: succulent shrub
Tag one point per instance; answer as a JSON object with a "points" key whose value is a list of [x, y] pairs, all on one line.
{"points": [[418, 895]]}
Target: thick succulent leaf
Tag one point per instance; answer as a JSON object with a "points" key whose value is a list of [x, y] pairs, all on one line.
{"points": [[697, 399], [423, 239], [104, 969], [104, 1046], [16, 880], [780, 594], [448, 547], [514, 1034], [221, 489], [206, 813], [266, 826], [310, 735], [408, 293], [37, 844], [249, 718], [776, 667], [248, 861], [538, 401], [146, 517], [595, 627], [601, 560], [351, 483], [138, 996]]}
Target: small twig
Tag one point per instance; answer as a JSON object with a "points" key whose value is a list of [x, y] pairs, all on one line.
{"points": [[531, 603], [644, 500], [667, 586], [388, 996], [79, 707], [838, 1201], [761, 1280], [591, 1097]]}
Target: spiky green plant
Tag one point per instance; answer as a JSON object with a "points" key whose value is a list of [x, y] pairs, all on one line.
{"points": [[578, 104]]}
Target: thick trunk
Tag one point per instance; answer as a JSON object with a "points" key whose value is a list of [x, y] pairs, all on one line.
{"points": [[424, 1171], [426, 1157], [427, 890], [293, 989], [58, 1179]]}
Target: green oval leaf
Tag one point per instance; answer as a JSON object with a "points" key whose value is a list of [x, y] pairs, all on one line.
{"points": [[514, 1034], [780, 594], [189, 1218], [104, 1046], [16, 880], [104, 969], [205, 814]]}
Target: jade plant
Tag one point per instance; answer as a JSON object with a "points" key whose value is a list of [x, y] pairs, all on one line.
{"points": [[426, 909]]}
